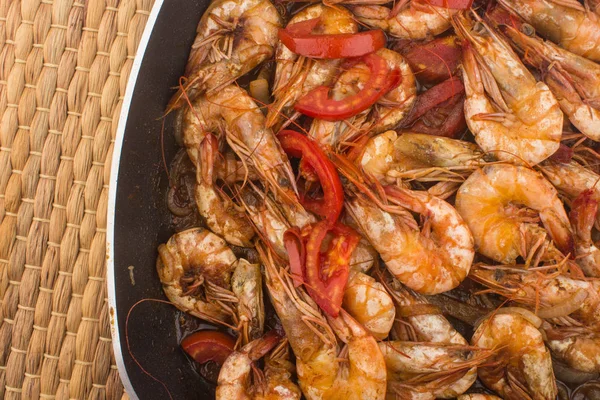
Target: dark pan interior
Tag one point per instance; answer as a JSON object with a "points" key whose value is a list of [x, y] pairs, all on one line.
{"points": [[142, 219]]}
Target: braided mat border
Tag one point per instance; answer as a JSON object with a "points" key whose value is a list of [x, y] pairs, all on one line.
{"points": [[64, 66]]}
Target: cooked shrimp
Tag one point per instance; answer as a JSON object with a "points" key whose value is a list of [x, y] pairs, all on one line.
{"points": [[385, 114], [267, 218], [364, 255], [214, 205], [419, 320], [570, 307], [429, 370], [278, 371], [522, 366], [234, 376], [234, 111], [271, 221], [478, 396], [574, 80], [297, 75], [566, 23], [322, 371], [578, 351], [233, 37], [246, 284], [571, 179], [491, 202], [430, 261], [584, 211], [370, 304], [561, 300], [193, 267], [410, 19], [417, 156], [512, 116]]}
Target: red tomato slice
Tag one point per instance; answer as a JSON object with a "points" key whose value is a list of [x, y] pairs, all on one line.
{"points": [[294, 245], [303, 27], [434, 61], [297, 145], [332, 46], [317, 103], [204, 346], [326, 274], [435, 96]]}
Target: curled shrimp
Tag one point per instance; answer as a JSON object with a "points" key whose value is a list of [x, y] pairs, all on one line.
{"points": [[570, 308], [415, 156], [511, 115], [221, 215], [357, 372], [387, 113], [491, 202], [234, 376], [429, 261], [195, 267], [574, 80], [567, 23], [246, 284], [410, 19], [370, 304], [233, 37], [429, 370], [297, 75], [522, 366], [561, 300], [419, 320], [579, 350], [235, 112]]}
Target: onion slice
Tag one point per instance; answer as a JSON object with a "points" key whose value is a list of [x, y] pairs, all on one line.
{"points": [[523, 312], [565, 308], [259, 89]]}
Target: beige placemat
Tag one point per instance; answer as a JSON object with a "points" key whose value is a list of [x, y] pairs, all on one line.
{"points": [[64, 67]]}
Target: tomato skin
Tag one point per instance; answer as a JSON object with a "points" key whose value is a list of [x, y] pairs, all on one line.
{"points": [[294, 245], [297, 145], [207, 345], [332, 46], [439, 110], [382, 79], [437, 95], [434, 61], [326, 275]]}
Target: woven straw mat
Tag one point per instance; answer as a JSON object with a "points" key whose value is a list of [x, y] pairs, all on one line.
{"points": [[64, 66]]}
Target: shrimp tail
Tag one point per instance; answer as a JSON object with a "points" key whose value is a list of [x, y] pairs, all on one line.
{"points": [[257, 349], [583, 215], [559, 231]]}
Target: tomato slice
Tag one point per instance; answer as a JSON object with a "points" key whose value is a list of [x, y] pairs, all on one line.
{"points": [[207, 345], [297, 145], [326, 274], [342, 45], [434, 61], [294, 245], [382, 79], [435, 96]]}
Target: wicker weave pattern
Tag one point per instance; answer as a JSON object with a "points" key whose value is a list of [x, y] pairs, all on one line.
{"points": [[64, 66]]}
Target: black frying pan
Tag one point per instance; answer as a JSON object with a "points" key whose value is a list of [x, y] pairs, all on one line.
{"points": [[138, 218]]}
